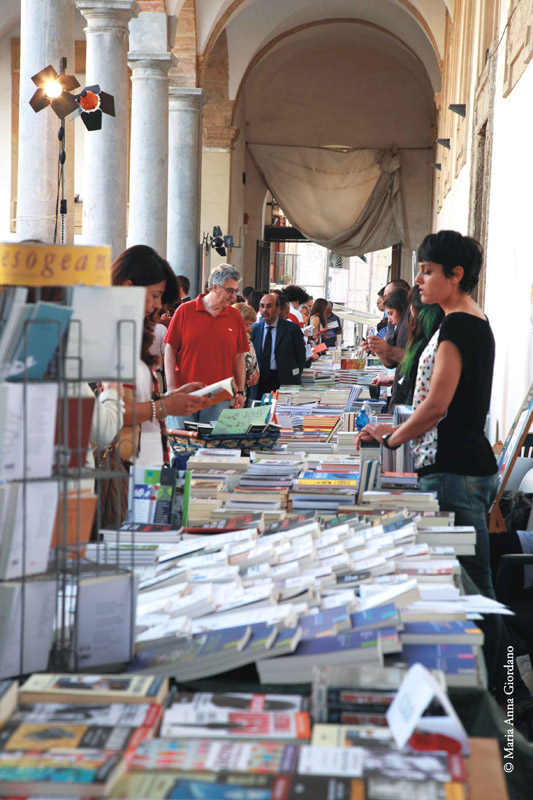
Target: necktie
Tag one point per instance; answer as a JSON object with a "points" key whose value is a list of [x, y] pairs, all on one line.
{"points": [[267, 350]]}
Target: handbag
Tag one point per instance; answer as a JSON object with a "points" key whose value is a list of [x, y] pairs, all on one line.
{"points": [[129, 438], [112, 492], [116, 457]]}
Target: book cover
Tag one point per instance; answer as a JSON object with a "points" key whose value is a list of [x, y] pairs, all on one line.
{"points": [[143, 715], [63, 735], [239, 701], [373, 618], [203, 786], [198, 755], [222, 723], [73, 773], [8, 699], [457, 661], [72, 444], [65, 688], [18, 461], [111, 314], [452, 632], [375, 758], [27, 528], [40, 339], [26, 625], [325, 623], [200, 657], [216, 392]]}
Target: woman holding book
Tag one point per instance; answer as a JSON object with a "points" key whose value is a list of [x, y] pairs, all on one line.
{"points": [[142, 266], [319, 322]]}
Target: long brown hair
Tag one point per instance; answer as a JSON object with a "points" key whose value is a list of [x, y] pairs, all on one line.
{"points": [[142, 266], [320, 308]]}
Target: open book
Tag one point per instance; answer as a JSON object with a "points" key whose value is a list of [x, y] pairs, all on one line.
{"points": [[216, 392]]}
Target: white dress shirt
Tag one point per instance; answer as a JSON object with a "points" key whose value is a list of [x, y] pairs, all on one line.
{"points": [[274, 327]]}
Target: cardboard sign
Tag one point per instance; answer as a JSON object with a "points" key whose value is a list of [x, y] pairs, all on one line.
{"points": [[238, 420], [54, 265], [416, 692]]}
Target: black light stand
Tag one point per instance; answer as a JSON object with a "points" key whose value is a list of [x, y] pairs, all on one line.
{"points": [[61, 171]]}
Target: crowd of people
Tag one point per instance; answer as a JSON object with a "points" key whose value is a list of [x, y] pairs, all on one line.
{"points": [[262, 340], [434, 341]]}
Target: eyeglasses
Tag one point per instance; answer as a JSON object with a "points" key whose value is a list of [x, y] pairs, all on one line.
{"points": [[230, 291]]}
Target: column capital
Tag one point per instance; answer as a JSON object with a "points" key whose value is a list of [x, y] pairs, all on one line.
{"points": [[150, 65], [185, 97], [108, 14]]}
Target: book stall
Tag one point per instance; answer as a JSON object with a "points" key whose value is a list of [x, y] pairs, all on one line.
{"points": [[279, 617]]}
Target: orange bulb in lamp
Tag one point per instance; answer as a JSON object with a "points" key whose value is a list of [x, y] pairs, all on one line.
{"points": [[89, 102]]}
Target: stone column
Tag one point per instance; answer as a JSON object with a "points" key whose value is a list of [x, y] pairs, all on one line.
{"points": [[46, 34], [184, 162], [106, 151], [150, 62]]}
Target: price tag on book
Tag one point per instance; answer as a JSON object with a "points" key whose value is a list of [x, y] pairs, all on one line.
{"points": [[54, 265], [418, 689]]}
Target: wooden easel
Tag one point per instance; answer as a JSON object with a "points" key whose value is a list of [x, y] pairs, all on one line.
{"points": [[513, 444]]}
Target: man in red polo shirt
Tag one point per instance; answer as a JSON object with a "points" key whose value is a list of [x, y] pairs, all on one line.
{"points": [[207, 338]]}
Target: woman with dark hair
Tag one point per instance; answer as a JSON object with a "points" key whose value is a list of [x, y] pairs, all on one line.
{"points": [[142, 266], [380, 302], [319, 313], [395, 304], [425, 320], [451, 399]]}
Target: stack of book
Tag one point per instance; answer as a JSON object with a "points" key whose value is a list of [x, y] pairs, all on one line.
{"points": [[126, 736], [325, 491]]}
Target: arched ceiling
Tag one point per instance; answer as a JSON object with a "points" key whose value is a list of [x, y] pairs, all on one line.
{"points": [[252, 24], [339, 84]]}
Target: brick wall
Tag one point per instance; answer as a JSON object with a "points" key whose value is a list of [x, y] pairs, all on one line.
{"points": [[152, 5], [184, 73]]}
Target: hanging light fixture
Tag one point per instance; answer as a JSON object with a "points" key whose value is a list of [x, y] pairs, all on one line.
{"points": [[53, 90]]}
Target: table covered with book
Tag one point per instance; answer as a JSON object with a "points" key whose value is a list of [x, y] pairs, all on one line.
{"points": [[277, 622]]}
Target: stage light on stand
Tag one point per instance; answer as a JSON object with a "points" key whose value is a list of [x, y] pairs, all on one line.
{"points": [[52, 89], [218, 243], [92, 102]]}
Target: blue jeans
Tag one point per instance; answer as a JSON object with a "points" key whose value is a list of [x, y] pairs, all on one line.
{"points": [[470, 497], [209, 414]]}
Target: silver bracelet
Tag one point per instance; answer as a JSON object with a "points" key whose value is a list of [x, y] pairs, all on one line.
{"points": [[154, 411]]}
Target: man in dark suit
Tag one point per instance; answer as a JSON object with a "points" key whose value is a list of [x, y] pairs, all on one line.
{"points": [[279, 346]]}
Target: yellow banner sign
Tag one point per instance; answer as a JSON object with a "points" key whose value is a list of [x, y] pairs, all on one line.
{"points": [[54, 265]]}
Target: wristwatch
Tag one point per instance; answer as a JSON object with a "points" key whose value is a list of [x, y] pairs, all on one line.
{"points": [[239, 392], [385, 442]]}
